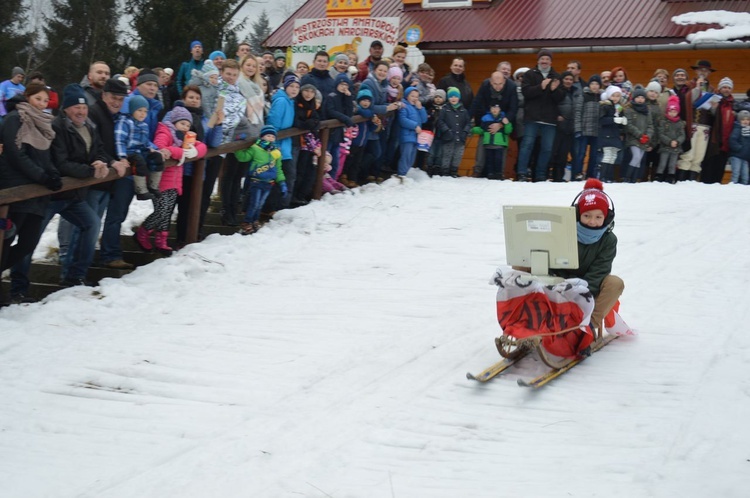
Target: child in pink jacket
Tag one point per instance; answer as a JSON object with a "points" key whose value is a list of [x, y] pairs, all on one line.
{"points": [[170, 134]]}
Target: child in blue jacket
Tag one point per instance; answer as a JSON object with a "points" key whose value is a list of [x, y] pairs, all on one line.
{"points": [[411, 117]]}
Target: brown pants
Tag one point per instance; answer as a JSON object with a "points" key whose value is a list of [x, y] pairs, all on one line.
{"points": [[609, 292]]}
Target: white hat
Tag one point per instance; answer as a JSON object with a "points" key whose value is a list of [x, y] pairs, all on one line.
{"points": [[611, 90], [653, 86], [169, 71], [726, 82], [520, 70]]}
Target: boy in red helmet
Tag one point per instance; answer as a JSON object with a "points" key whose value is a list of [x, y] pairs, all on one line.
{"points": [[597, 248]]}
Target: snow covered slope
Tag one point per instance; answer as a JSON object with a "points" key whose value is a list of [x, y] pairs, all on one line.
{"points": [[325, 357]]}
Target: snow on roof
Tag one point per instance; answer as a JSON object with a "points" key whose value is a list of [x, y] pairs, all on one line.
{"points": [[734, 25]]}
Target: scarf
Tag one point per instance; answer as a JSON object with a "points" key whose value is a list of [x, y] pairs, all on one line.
{"points": [[673, 119], [393, 91], [177, 136], [642, 108], [588, 235], [36, 127], [266, 145]]}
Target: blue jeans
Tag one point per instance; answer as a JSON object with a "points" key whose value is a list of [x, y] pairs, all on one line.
{"points": [[256, 197], [547, 134], [69, 236], [120, 196], [80, 214], [408, 154], [582, 143], [740, 170]]}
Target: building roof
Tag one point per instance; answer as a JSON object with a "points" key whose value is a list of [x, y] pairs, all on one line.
{"points": [[534, 23]]}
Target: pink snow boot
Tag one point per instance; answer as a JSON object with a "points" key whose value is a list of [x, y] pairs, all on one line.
{"points": [[160, 241], [143, 238]]}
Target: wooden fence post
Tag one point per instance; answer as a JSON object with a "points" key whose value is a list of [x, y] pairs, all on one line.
{"points": [[318, 190], [196, 202]]}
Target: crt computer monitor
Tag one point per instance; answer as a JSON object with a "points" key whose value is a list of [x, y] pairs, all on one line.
{"points": [[541, 237]]}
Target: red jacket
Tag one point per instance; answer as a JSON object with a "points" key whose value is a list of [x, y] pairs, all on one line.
{"points": [[172, 176]]}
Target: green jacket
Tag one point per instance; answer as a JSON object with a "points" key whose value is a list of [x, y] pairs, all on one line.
{"points": [[265, 166], [594, 261]]}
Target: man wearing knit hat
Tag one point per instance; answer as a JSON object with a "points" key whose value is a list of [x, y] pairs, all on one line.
{"points": [[11, 87], [186, 68], [698, 121], [77, 152], [717, 153], [542, 92]]}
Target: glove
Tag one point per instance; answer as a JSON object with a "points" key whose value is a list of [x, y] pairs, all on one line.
{"points": [[644, 139], [190, 153], [284, 189], [51, 181], [618, 120]]}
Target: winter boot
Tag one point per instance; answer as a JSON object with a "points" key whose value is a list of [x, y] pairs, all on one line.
{"points": [[658, 177], [141, 189], [154, 178], [682, 175], [247, 228], [671, 179], [694, 176], [143, 238], [160, 241], [607, 172]]}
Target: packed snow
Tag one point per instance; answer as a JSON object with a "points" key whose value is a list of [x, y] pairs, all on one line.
{"points": [[734, 25], [325, 356]]}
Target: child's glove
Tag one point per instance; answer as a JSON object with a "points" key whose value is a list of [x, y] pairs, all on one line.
{"points": [[7, 225], [190, 153], [619, 120], [644, 139], [284, 189]]}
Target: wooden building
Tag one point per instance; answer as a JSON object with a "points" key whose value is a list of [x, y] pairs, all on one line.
{"points": [[639, 35]]}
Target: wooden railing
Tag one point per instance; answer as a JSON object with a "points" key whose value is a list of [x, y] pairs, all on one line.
{"points": [[24, 192]]}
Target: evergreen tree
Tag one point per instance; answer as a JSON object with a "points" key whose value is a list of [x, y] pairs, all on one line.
{"points": [[230, 44], [79, 33], [259, 31], [13, 39], [165, 28]]}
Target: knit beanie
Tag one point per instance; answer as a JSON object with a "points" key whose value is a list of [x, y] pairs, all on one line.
{"points": [[209, 69], [73, 95], [638, 91], [593, 197], [217, 53], [267, 130], [115, 87], [16, 71], [341, 58], [395, 71], [653, 86], [179, 113], [453, 92], [409, 90], [673, 103], [441, 93], [289, 79], [194, 43], [542, 53], [726, 82], [341, 78], [137, 102], [679, 70], [611, 90], [147, 75], [279, 55], [743, 115], [596, 78], [364, 94]]}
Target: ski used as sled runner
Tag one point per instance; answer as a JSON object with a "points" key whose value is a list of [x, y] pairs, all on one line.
{"points": [[493, 371], [553, 374]]}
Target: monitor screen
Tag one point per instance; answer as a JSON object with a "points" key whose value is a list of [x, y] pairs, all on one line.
{"points": [[541, 237]]}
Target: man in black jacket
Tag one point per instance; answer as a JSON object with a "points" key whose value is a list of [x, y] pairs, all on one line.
{"points": [[494, 90], [76, 152], [542, 92], [457, 78]]}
